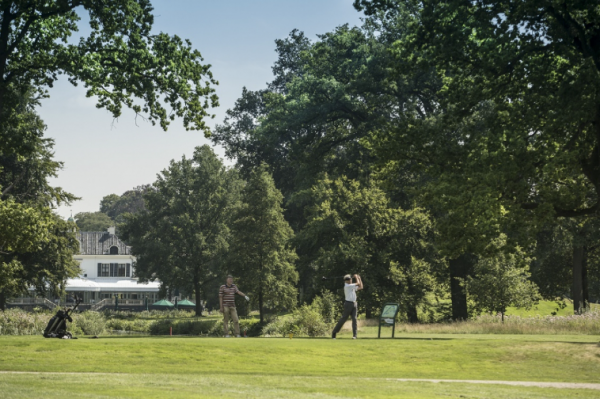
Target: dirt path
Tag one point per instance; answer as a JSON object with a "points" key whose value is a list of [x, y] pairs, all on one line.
{"points": [[568, 385], [560, 385]]}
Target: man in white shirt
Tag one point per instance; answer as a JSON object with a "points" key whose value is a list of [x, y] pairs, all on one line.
{"points": [[350, 305]]}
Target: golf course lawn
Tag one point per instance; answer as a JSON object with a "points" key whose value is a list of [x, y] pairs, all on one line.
{"points": [[182, 367]]}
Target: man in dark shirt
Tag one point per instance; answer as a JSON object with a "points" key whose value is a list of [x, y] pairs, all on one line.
{"points": [[227, 300]]}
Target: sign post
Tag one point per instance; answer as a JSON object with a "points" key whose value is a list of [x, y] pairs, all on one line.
{"points": [[388, 317]]}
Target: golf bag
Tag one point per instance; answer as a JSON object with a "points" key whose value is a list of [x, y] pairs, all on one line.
{"points": [[57, 326]]}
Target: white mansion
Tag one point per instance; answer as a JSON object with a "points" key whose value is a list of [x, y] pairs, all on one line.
{"points": [[108, 272]]}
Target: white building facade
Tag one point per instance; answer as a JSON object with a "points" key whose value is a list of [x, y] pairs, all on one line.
{"points": [[108, 272]]}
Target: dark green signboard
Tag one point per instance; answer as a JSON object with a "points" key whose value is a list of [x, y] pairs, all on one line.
{"points": [[388, 317]]}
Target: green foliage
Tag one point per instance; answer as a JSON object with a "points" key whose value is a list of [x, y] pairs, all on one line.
{"points": [[261, 253], [90, 323], [324, 97], [183, 234], [131, 201], [316, 118], [37, 250], [510, 137], [209, 327], [586, 324], [314, 320], [120, 61], [304, 321], [133, 323], [93, 221], [36, 246], [502, 281], [251, 327], [27, 157], [147, 314], [20, 322], [328, 306], [354, 229]]}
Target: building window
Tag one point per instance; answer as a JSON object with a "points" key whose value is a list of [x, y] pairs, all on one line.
{"points": [[121, 270], [114, 250], [103, 270]]}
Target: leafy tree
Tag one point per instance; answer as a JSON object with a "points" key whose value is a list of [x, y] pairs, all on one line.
{"points": [[120, 61], [36, 251], [131, 201], [310, 118], [26, 157], [501, 281], [513, 135], [261, 252], [553, 268], [354, 229], [182, 235], [107, 202], [93, 221], [313, 118], [36, 247]]}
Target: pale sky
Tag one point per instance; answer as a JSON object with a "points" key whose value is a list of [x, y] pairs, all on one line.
{"points": [[104, 156]]}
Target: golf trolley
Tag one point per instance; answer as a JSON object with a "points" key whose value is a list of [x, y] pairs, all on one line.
{"points": [[57, 326]]}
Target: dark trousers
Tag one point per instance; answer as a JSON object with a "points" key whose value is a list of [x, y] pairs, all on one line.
{"points": [[349, 310]]}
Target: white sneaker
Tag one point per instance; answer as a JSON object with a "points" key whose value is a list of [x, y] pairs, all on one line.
{"points": [[238, 336], [227, 336], [353, 337]]}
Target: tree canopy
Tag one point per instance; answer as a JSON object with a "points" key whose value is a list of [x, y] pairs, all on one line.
{"points": [[36, 246], [261, 252], [93, 221], [121, 61], [184, 232]]}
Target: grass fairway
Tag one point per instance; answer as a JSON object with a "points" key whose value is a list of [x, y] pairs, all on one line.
{"points": [[273, 367]]}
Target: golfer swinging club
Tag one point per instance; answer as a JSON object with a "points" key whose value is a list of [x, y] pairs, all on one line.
{"points": [[227, 300], [350, 305]]}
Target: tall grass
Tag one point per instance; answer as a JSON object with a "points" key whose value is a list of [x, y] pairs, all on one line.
{"points": [[20, 322], [586, 324], [149, 314]]}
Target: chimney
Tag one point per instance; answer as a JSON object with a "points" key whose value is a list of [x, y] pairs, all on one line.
{"points": [[111, 230]]}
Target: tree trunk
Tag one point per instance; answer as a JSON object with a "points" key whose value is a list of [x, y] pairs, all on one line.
{"points": [[577, 289], [584, 279], [197, 293], [368, 313], [260, 305], [411, 312], [2, 301], [459, 269]]}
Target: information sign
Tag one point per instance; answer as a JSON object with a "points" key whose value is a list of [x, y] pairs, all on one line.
{"points": [[388, 317]]}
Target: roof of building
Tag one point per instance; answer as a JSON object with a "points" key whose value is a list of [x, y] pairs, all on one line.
{"points": [[84, 284], [100, 242]]}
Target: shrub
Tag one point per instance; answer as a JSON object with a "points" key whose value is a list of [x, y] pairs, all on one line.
{"points": [[181, 327], [305, 321], [328, 305], [251, 327], [148, 314], [20, 322], [89, 322]]}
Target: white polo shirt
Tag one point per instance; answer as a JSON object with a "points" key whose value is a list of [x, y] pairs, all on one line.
{"points": [[350, 291]]}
